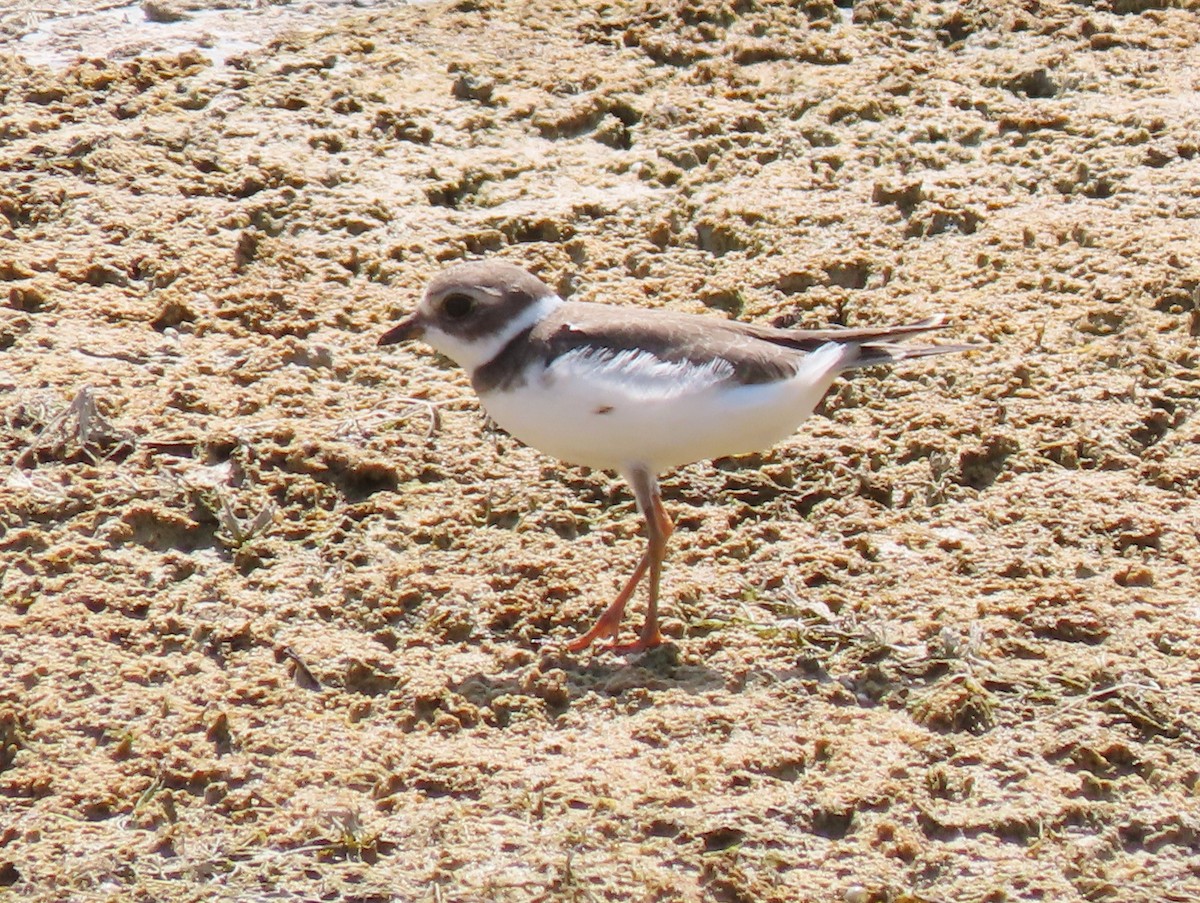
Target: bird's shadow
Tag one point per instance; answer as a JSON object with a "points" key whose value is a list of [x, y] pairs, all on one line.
{"points": [[562, 679]]}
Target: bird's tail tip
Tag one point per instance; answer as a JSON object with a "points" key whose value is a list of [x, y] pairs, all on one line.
{"points": [[872, 353]]}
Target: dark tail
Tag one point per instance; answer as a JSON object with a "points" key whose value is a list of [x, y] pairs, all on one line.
{"points": [[875, 344], [871, 354]]}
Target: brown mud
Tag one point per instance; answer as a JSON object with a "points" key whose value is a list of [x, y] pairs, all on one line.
{"points": [[282, 618]]}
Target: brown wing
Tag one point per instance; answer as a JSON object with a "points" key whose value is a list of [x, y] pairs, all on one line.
{"points": [[757, 354], [675, 338]]}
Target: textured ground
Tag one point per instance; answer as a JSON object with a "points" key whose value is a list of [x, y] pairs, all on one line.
{"points": [[282, 618]]}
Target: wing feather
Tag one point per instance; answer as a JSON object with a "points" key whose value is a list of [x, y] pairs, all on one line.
{"points": [[662, 346]]}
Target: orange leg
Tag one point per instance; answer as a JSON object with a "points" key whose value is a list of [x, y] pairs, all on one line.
{"points": [[610, 622], [658, 530]]}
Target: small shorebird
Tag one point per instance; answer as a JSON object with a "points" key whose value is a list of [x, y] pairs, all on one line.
{"points": [[633, 390]]}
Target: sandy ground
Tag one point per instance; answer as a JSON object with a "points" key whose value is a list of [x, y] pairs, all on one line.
{"points": [[283, 618]]}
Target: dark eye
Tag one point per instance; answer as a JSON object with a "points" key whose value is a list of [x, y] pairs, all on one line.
{"points": [[458, 306]]}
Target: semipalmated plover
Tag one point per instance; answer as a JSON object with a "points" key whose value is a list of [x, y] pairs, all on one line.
{"points": [[633, 390]]}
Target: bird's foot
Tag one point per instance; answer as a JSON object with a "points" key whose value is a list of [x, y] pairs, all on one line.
{"points": [[631, 648], [605, 627], [649, 639]]}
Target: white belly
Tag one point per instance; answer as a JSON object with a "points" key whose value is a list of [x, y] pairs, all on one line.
{"points": [[633, 410]]}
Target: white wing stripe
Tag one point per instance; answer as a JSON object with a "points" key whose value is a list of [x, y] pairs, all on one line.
{"points": [[638, 374]]}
